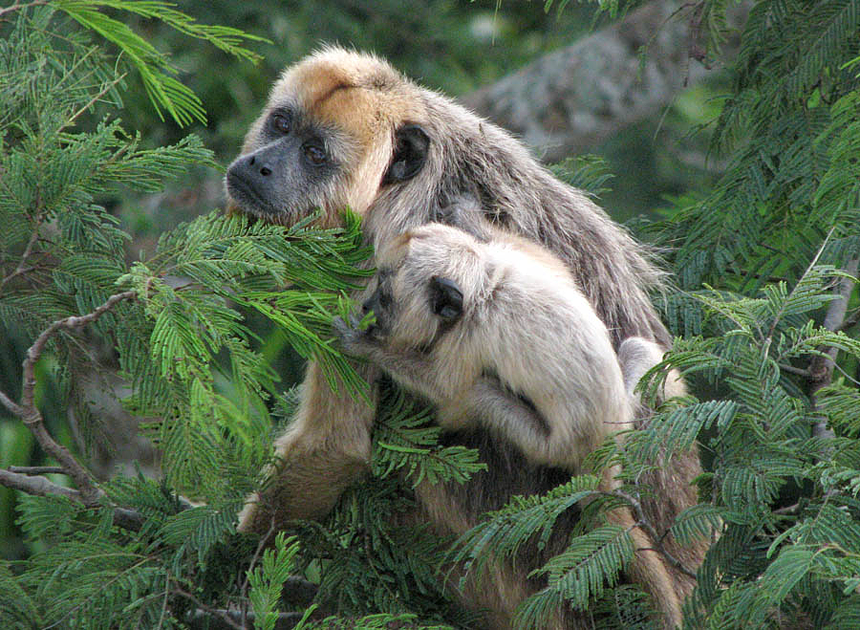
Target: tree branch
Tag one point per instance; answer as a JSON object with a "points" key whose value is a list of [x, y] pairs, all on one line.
{"points": [[39, 486], [578, 96], [821, 367], [10, 404], [36, 470], [32, 417]]}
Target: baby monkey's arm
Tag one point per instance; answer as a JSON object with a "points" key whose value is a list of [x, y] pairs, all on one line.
{"points": [[483, 401]]}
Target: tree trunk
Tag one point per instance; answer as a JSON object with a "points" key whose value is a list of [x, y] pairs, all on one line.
{"points": [[570, 100]]}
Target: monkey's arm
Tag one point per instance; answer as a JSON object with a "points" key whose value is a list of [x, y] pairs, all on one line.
{"points": [[413, 369], [324, 450], [504, 413], [465, 212], [461, 399]]}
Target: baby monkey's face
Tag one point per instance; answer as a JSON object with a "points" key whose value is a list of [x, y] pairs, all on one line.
{"points": [[413, 304]]}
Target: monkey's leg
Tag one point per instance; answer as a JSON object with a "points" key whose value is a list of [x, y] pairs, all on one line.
{"points": [[673, 486], [324, 450], [647, 567], [649, 571]]}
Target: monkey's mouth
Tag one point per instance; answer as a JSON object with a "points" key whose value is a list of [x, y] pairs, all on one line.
{"points": [[249, 199]]}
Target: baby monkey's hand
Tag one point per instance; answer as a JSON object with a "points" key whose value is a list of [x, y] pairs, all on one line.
{"points": [[353, 339]]}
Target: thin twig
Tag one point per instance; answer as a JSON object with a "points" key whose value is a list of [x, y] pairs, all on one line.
{"points": [[812, 264], [201, 619], [20, 271], [107, 88], [836, 366], [70, 323], [793, 370], [18, 6], [643, 522], [789, 509], [164, 601], [220, 614], [850, 321], [22, 268]]}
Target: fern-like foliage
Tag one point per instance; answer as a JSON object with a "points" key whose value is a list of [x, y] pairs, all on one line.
{"points": [[267, 581], [788, 126], [579, 573], [505, 531], [187, 291], [17, 610], [587, 172], [407, 442], [771, 560], [765, 261], [158, 76], [146, 558]]}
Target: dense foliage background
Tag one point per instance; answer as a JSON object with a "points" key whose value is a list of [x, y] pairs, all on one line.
{"points": [[148, 344]]}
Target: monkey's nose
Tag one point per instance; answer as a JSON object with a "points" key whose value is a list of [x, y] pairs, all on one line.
{"points": [[265, 171]]}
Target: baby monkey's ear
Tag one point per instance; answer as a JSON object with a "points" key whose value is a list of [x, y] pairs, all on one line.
{"points": [[446, 298]]}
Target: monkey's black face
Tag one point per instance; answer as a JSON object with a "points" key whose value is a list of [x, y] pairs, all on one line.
{"points": [[363, 343], [292, 172], [382, 304]]}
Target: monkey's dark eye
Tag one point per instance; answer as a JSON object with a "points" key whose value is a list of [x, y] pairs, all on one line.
{"points": [[315, 154], [282, 123]]}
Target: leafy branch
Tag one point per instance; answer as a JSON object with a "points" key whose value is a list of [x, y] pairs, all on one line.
{"points": [[29, 413], [158, 76], [87, 491]]}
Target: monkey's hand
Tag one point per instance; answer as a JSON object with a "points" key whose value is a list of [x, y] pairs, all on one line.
{"points": [[353, 340]]}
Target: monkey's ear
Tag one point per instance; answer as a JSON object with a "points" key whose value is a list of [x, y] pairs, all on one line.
{"points": [[446, 298], [410, 153]]}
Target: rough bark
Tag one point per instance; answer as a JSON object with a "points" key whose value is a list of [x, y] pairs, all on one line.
{"points": [[822, 366], [573, 98]]}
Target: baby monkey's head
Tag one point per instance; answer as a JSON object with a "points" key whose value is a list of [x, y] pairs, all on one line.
{"points": [[428, 280]]}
